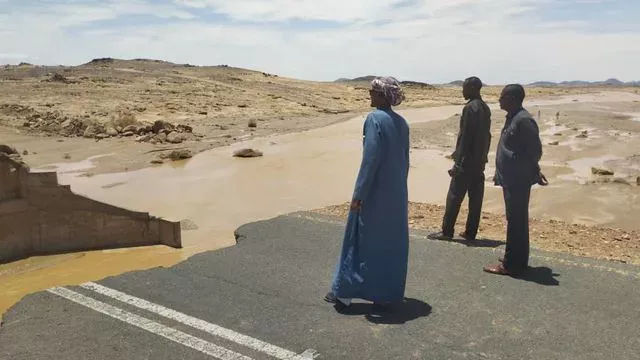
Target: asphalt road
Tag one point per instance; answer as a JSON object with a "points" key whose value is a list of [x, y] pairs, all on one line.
{"points": [[262, 299]]}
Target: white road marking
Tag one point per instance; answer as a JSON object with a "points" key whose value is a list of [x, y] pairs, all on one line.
{"points": [[179, 337], [255, 344]]}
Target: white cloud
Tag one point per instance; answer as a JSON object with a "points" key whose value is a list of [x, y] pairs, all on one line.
{"points": [[433, 41]]}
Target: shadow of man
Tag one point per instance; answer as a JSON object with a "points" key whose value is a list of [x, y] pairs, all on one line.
{"points": [[408, 310], [539, 275], [478, 243]]}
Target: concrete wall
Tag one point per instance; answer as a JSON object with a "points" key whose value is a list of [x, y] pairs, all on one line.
{"points": [[49, 218]]}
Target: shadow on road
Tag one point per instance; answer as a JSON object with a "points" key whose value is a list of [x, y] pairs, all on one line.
{"points": [[478, 243], [409, 310], [539, 275]]}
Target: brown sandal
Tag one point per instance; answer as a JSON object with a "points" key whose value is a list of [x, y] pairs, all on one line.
{"points": [[497, 269]]}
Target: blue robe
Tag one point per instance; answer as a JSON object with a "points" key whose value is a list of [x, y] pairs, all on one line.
{"points": [[373, 262]]}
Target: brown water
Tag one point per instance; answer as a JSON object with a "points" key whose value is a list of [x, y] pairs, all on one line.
{"points": [[218, 193]]}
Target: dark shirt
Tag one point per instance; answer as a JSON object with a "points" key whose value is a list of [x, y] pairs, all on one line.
{"points": [[519, 151], [474, 137]]}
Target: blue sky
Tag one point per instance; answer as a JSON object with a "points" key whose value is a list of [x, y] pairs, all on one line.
{"points": [[436, 41]]}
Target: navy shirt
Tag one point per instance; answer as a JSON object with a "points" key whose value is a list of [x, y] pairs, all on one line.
{"points": [[474, 137], [519, 151]]}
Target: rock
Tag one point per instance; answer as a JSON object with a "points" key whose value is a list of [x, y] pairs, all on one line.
{"points": [[119, 129], [247, 153], [112, 132], [143, 138], [184, 128], [175, 138], [599, 171], [203, 113], [252, 123], [157, 161], [127, 133], [131, 128], [160, 125], [162, 137], [557, 134], [67, 156], [224, 127], [582, 136], [554, 143], [180, 155], [621, 181], [25, 152], [102, 136], [90, 132], [6, 149], [638, 181]]}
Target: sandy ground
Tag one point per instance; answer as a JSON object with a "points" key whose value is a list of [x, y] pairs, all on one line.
{"points": [[592, 241], [46, 110], [214, 193]]}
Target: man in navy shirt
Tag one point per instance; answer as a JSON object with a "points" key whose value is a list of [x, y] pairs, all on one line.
{"points": [[519, 151]]}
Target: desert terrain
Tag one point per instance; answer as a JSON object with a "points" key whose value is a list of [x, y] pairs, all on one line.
{"points": [[109, 106], [159, 137]]}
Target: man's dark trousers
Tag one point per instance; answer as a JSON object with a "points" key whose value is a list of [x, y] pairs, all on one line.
{"points": [[516, 201], [471, 182]]}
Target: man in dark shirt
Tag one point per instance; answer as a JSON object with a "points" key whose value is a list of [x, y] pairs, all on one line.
{"points": [[470, 157], [517, 157]]}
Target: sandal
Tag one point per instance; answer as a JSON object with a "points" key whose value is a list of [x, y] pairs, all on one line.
{"points": [[497, 269]]}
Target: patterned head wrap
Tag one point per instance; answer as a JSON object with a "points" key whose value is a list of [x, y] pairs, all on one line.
{"points": [[390, 88]]}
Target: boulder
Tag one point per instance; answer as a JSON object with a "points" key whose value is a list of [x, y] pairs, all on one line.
{"points": [[112, 132], [7, 149], [127, 133], [180, 155], [621, 181], [184, 128], [143, 138], [161, 137], [599, 171], [131, 129], [90, 132], [160, 125], [175, 137], [247, 153]]}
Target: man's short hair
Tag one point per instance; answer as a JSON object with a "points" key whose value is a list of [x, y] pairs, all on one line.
{"points": [[474, 82], [516, 91]]}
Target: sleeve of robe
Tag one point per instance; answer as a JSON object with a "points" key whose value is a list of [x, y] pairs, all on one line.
{"points": [[370, 158]]}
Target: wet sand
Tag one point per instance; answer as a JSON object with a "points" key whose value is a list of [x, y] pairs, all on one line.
{"points": [[218, 193]]}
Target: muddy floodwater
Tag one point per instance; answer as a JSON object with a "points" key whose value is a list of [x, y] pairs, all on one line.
{"points": [[213, 193]]}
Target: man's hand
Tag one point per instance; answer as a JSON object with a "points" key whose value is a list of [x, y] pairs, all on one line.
{"points": [[542, 180], [455, 170], [356, 205]]}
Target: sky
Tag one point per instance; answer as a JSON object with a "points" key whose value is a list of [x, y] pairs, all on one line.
{"points": [[436, 41]]}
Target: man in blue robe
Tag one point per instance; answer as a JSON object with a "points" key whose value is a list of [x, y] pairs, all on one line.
{"points": [[375, 249]]}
